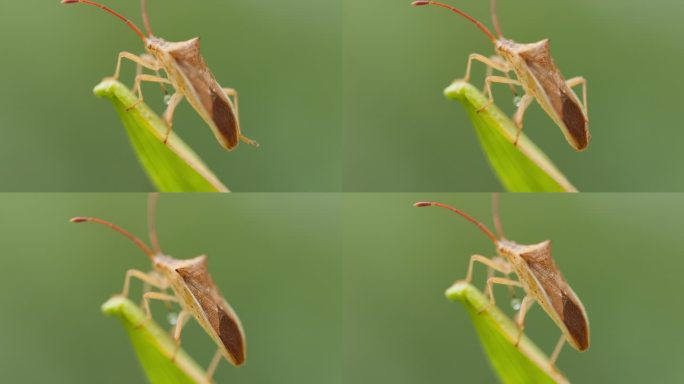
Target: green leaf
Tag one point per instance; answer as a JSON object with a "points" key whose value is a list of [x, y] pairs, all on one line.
{"points": [[520, 168], [172, 167], [523, 364], [156, 350]]}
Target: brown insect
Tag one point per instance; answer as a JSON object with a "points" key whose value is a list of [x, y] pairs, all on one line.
{"points": [[538, 276], [192, 288], [187, 72], [539, 77]]}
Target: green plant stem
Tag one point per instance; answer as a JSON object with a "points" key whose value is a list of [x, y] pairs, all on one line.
{"points": [[520, 167], [521, 364]]}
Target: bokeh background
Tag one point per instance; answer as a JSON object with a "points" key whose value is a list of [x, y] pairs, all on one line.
{"points": [[276, 258], [283, 57], [401, 134], [620, 253]]}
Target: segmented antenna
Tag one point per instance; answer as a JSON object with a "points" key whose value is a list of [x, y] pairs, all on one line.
{"points": [[152, 221], [146, 19], [125, 20], [463, 214], [122, 231], [495, 19], [467, 16], [495, 215]]}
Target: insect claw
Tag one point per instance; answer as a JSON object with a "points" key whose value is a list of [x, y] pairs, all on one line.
{"points": [[128, 109], [175, 351], [485, 309], [490, 102], [520, 334]]}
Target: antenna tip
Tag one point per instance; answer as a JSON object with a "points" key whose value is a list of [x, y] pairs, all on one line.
{"points": [[69, 1], [78, 219], [422, 204], [415, 3]]}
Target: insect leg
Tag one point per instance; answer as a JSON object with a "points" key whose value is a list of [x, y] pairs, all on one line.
{"points": [[141, 61], [155, 296], [503, 263], [168, 114], [488, 87], [489, 292], [214, 364], [137, 89], [498, 65], [575, 81], [182, 319], [230, 92], [526, 304], [490, 71], [139, 71], [504, 268], [147, 278], [557, 350], [525, 102]]}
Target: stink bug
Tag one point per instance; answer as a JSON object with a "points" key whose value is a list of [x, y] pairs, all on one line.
{"points": [[192, 288], [539, 77], [538, 276], [187, 72]]}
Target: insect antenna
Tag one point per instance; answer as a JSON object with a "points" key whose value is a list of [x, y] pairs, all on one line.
{"points": [[467, 16], [495, 19], [482, 227], [145, 17], [115, 227], [152, 221], [495, 215], [125, 20]]}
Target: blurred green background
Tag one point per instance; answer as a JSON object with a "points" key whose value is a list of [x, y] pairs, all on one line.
{"points": [[275, 257], [401, 134], [283, 57], [619, 252]]}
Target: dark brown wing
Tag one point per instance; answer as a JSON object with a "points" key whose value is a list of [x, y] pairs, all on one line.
{"points": [[561, 98], [561, 297], [221, 318], [224, 118], [217, 108]]}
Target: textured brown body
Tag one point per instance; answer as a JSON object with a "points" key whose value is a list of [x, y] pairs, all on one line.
{"points": [[192, 284], [189, 74], [542, 279], [537, 274], [540, 78]]}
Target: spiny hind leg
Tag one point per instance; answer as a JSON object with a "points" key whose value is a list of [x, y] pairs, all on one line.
{"points": [[491, 63], [575, 81], [138, 89], [557, 350], [143, 61], [230, 92], [489, 292], [525, 102], [214, 364], [488, 88]]}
